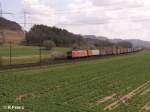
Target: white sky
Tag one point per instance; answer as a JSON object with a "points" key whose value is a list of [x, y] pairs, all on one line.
{"points": [[112, 18]]}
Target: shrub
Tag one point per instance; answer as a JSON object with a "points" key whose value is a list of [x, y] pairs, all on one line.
{"points": [[0, 61], [48, 44]]}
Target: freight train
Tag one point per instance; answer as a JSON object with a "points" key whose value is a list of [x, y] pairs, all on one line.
{"points": [[101, 52]]}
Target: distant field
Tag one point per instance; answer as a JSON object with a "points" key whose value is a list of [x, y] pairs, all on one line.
{"points": [[19, 50], [28, 54], [117, 84], [13, 36]]}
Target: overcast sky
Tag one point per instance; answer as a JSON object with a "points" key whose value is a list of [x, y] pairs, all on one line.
{"points": [[112, 18]]}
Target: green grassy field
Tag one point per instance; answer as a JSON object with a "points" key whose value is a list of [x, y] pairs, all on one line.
{"points": [[28, 54], [117, 84], [20, 50]]}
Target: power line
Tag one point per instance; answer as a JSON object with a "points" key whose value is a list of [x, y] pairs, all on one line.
{"points": [[1, 10], [79, 10], [4, 12], [25, 18], [79, 23]]}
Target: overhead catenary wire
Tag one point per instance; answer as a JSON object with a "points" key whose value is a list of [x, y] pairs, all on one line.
{"points": [[4, 12], [27, 14], [1, 10]]}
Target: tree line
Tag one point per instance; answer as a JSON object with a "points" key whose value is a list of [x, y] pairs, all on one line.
{"points": [[52, 36]]}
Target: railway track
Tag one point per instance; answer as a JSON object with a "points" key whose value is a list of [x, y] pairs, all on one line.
{"points": [[57, 61]]}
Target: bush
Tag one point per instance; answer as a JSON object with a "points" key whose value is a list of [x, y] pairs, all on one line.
{"points": [[1, 43], [0, 61], [48, 44]]}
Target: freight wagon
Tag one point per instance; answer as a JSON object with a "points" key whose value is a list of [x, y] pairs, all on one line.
{"points": [[77, 54], [101, 52], [93, 52], [114, 51]]}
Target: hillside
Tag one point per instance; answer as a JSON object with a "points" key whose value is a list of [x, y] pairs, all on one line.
{"points": [[134, 42], [140, 43], [10, 31], [95, 37], [61, 37]]}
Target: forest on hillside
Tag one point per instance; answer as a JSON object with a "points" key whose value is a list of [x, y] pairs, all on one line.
{"points": [[38, 34]]}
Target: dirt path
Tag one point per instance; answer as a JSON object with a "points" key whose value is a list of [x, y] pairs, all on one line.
{"points": [[105, 99], [145, 92], [128, 96], [146, 107], [23, 96]]}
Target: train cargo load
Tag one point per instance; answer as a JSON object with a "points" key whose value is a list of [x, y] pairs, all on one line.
{"points": [[77, 53]]}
